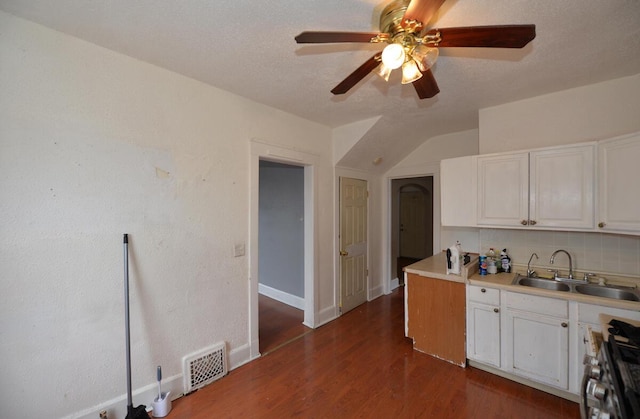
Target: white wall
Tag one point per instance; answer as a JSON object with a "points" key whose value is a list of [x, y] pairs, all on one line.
{"points": [[586, 113], [425, 161], [94, 144]]}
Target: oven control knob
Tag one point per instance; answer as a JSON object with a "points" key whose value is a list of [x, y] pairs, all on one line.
{"points": [[596, 389], [595, 372]]}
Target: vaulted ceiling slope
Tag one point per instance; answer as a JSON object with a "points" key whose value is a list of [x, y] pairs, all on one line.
{"points": [[247, 47]]}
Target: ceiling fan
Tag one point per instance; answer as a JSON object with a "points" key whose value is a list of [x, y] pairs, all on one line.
{"points": [[414, 47]]}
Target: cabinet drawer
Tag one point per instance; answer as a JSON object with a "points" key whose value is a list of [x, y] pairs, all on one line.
{"points": [[536, 304], [589, 313], [484, 295]]}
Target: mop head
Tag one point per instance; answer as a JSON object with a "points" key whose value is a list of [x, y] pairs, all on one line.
{"points": [[139, 412]]}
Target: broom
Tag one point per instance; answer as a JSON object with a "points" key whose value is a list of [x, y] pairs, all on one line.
{"points": [[139, 412]]}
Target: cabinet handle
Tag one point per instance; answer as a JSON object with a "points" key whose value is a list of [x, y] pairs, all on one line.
{"points": [[483, 290], [496, 310], [563, 324], [601, 224], [533, 222], [524, 222]]}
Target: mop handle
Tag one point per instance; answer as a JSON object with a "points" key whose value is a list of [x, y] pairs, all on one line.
{"points": [[126, 318]]}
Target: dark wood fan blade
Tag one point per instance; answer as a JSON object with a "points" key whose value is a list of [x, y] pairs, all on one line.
{"points": [[426, 86], [332, 37], [357, 75], [501, 36], [422, 10]]}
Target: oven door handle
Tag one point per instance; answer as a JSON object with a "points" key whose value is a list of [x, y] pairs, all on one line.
{"points": [[584, 406]]}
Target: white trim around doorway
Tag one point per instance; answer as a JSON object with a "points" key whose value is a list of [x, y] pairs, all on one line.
{"points": [[264, 151]]}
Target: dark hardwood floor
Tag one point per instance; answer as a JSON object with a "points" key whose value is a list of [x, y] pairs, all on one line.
{"points": [[279, 324], [361, 365]]}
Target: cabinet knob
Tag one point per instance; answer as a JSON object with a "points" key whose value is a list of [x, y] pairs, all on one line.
{"points": [[483, 290], [601, 224], [524, 222], [563, 324], [533, 222], [496, 310]]}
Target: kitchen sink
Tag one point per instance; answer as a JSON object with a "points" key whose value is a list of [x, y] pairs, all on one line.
{"points": [[608, 292], [546, 284], [605, 291]]}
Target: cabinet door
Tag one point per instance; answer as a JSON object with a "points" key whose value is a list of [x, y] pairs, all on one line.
{"points": [[619, 191], [458, 184], [503, 189], [483, 333], [561, 191], [537, 347]]}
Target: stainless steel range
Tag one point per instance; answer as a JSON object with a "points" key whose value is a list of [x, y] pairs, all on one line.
{"points": [[611, 380]]}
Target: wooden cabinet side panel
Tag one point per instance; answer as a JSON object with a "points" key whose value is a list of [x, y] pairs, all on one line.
{"points": [[436, 317]]}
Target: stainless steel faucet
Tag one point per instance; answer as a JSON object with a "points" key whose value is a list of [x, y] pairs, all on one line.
{"points": [[553, 256], [531, 272]]}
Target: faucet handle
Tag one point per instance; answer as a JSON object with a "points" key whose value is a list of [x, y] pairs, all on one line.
{"points": [[588, 275], [555, 273]]}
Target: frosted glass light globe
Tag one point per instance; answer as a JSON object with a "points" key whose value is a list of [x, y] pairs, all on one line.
{"points": [[393, 56]]}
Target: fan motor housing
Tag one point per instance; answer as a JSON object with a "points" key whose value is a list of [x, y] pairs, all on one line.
{"points": [[391, 17]]}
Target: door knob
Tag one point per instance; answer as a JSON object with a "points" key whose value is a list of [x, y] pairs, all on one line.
{"points": [[524, 222], [601, 224], [344, 253]]}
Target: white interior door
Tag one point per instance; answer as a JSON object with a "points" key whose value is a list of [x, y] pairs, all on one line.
{"points": [[353, 243]]}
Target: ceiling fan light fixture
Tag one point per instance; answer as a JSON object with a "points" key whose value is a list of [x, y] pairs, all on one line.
{"points": [[384, 71], [393, 56], [410, 72], [425, 56]]}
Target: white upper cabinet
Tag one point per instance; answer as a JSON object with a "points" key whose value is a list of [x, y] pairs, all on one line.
{"points": [[619, 184], [458, 183], [503, 189], [549, 188], [561, 188]]}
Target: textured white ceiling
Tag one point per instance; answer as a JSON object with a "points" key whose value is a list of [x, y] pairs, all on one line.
{"points": [[247, 47]]}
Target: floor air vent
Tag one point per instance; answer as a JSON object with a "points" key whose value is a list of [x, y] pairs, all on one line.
{"points": [[204, 367]]}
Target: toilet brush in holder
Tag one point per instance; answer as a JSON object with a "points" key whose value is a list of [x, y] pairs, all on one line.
{"points": [[162, 403]]}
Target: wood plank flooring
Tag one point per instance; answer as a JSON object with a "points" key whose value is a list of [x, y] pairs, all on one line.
{"points": [[279, 324], [361, 365]]}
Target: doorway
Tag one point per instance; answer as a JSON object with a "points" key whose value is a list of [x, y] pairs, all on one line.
{"points": [[412, 222], [281, 253], [308, 163]]}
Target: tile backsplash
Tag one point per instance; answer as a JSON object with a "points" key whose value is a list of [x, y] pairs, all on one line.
{"points": [[597, 252]]}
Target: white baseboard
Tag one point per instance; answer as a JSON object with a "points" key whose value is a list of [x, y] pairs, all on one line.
{"points": [[283, 297], [395, 283], [117, 407]]}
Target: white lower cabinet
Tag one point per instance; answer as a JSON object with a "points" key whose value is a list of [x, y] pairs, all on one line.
{"points": [[536, 338], [483, 325]]}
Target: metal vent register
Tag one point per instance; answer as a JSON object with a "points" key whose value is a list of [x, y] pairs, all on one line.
{"points": [[204, 367]]}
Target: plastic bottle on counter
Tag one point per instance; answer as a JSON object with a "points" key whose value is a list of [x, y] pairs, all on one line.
{"points": [[506, 261], [492, 268]]}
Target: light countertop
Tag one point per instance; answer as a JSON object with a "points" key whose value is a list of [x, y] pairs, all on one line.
{"points": [[436, 267]]}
